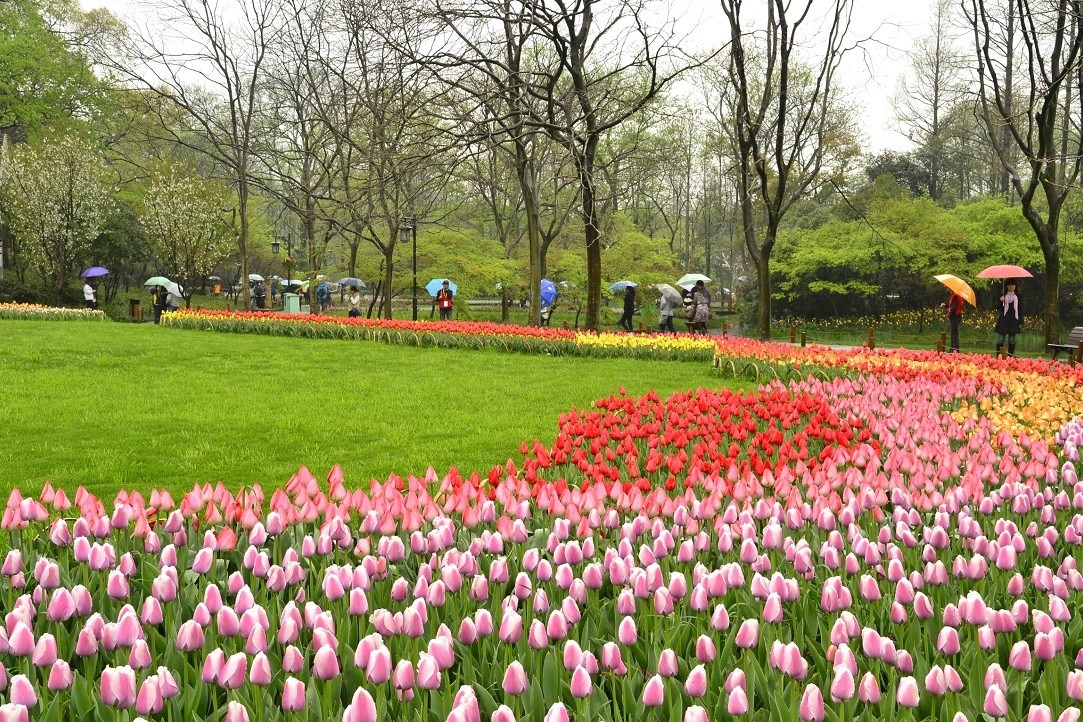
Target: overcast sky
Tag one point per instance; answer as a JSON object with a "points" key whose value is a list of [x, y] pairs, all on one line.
{"points": [[872, 76]]}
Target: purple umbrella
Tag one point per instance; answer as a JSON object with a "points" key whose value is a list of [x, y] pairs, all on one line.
{"points": [[94, 272]]}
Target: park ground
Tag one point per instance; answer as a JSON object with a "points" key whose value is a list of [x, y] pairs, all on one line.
{"points": [[112, 406]]}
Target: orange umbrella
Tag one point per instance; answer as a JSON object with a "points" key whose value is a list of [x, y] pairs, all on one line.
{"points": [[959, 286]]}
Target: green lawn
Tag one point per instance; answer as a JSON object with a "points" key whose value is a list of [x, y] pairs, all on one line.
{"points": [[115, 406]]}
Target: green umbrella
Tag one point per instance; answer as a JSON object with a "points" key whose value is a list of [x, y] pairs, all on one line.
{"points": [[157, 281]]}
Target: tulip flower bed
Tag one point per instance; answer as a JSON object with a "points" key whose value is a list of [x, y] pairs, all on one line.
{"points": [[1021, 396], [841, 548], [36, 312], [453, 334]]}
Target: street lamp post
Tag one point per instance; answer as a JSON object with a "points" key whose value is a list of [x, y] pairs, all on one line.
{"points": [[275, 245], [408, 230]]}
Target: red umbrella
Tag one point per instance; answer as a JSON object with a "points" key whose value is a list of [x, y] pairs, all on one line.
{"points": [[1005, 272]]}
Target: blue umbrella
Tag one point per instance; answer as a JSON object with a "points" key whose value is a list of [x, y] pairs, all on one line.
{"points": [[437, 283], [356, 282], [621, 285], [94, 272], [548, 292]]}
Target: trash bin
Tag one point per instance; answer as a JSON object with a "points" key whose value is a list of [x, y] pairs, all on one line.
{"points": [[134, 311], [291, 303]]}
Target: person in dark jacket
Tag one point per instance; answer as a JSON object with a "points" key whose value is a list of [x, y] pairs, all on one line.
{"points": [[629, 308], [954, 305], [1009, 319]]}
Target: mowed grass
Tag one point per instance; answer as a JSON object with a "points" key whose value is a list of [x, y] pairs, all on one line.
{"points": [[114, 406]]}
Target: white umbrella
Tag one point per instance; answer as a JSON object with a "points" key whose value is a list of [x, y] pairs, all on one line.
{"points": [[254, 277], [692, 278], [669, 292]]}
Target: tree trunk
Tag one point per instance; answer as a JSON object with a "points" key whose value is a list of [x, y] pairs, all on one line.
{"points": [[242, 237], [1051, 305], [389, 271], [375, 295], [353, 258], [533, 230], [593, 236], [763, 310], [313, 267]]}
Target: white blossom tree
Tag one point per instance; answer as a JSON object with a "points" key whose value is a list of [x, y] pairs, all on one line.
{"points": [[186, 227], [57, 194]]}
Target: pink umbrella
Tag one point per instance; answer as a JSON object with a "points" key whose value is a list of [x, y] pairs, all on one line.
{"points": [[1005, 272]]}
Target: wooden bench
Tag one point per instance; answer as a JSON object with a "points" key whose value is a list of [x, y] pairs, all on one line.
{"points": [[1074, 347]]}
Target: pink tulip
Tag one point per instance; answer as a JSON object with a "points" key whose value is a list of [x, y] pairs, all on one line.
{"points": [[236, 712], [293, 695], [325, 663], [14, 713], [60, 677], [1019, 657], [118, 687], [947, 642], [581, 684], [442, 651], [749, 634], [557, 713], [772, 609], [21, 640], [843, 686], [737, 704], [403, 677], [1039, 713], [260, 674], [503, 713], [234, 671], [1074, 684], [378, 668], [695, 685], [654, 692], [190, 636], [21, 691], [428, 672], [626, 632], [935, 682], [907, 694], [705, 649], [868, 691], [44, 651], [996, 704], [812, 704], [695, 713], [735, 679], [515, 682], [994, 675], [149, 700], [361, 709], [667, 663]]}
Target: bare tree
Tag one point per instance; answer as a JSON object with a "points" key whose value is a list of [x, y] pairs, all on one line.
{"points": [[298, 153], [936, 83], [209, 62], [783, 119], [1047, 132], [392, 164], [573, 70]]}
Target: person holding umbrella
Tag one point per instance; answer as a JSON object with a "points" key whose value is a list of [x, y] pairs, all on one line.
{"points": [[665, 314], [625, 321], [90, 295], [1009, 319], [160, 303], [355, 302], [445, 300], [954, 306]]}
